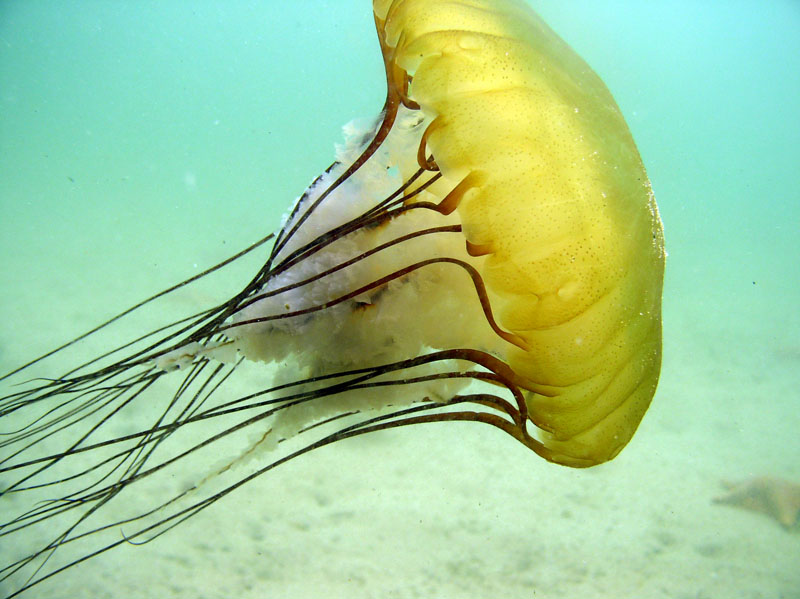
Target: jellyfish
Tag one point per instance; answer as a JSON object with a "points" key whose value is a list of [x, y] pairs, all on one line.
{"points": [[488, 249]]}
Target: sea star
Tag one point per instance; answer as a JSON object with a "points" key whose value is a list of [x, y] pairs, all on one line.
{"points": [[775, 497]]}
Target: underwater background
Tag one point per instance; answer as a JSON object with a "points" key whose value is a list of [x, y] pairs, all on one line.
{"points": [[141, 142]]}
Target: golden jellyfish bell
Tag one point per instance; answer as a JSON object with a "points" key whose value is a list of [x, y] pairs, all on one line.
{"points": [[556, 198], [488, 250]]}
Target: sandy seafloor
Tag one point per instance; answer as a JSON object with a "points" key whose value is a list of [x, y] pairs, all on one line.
{"points": [[141, 142]]}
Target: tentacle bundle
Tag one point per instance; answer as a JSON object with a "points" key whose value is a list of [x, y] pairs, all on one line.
{"points": [[558, 201]]}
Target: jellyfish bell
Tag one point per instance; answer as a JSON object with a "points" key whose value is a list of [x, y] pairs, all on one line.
{"points": [[488, 250]]}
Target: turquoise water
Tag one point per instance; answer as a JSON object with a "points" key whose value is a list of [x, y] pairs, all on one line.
{"points": [[141, 142]]}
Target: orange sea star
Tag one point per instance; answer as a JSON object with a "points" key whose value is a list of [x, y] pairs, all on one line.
{"points": [[778, 498]]}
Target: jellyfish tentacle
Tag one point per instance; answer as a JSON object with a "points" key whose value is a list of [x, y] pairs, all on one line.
{"points": [[471, 271], [397, 78], [390, 109], [453, 198], [352, 261], [428, 162], [371, 218], [137, 306]]}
